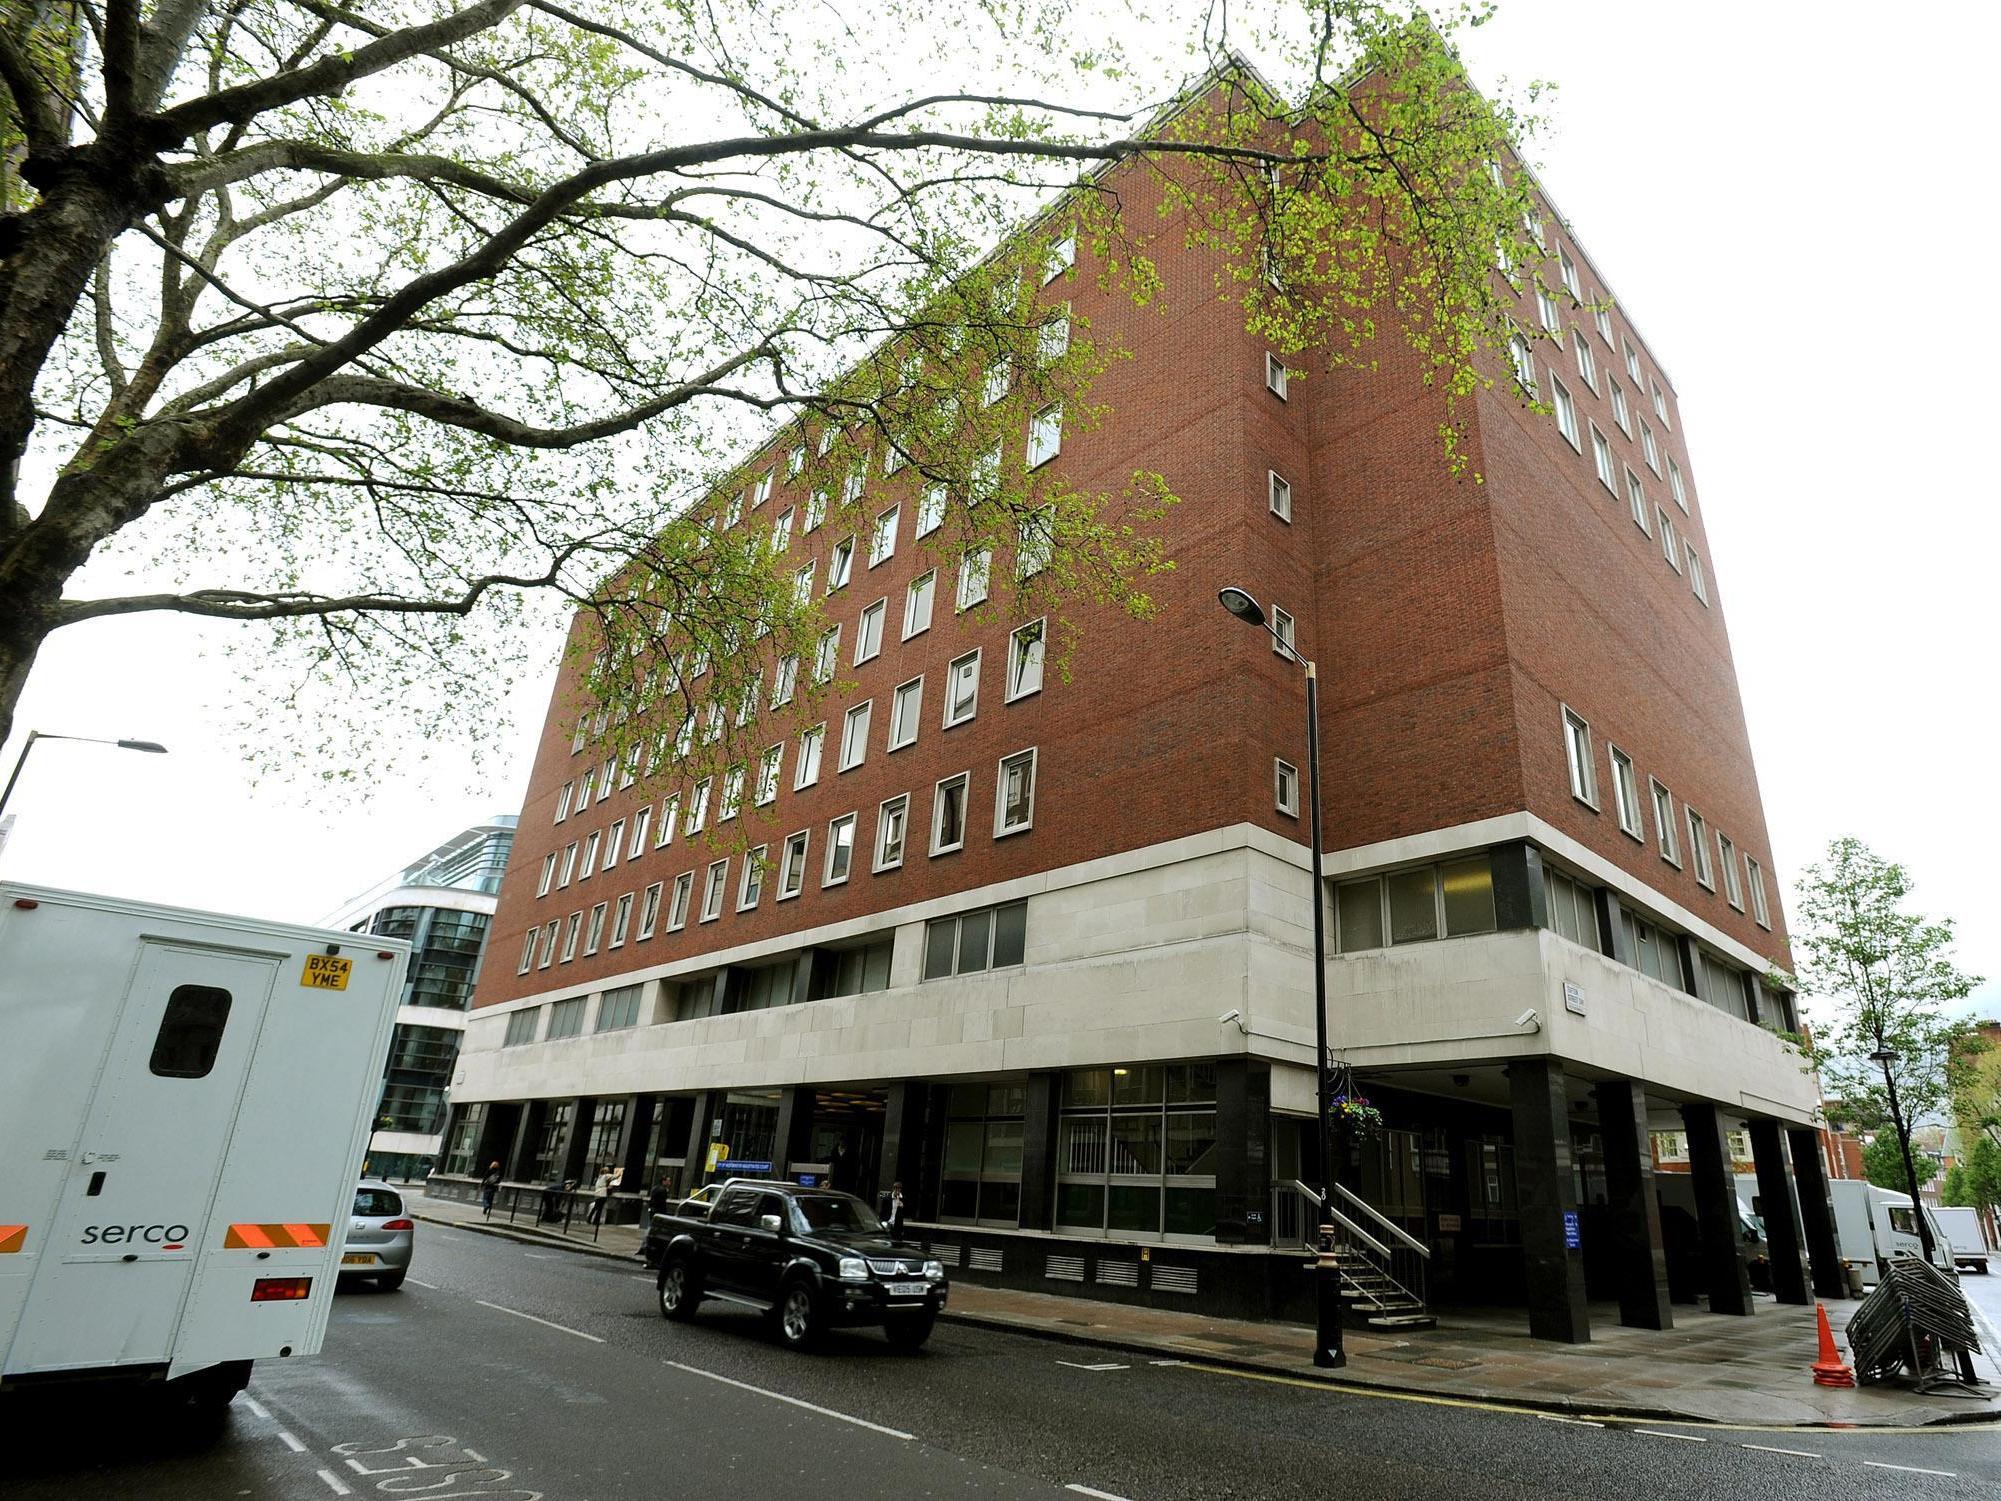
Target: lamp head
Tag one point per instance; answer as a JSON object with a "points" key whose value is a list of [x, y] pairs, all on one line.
{"points": [[1240, 604], [152, 746]]}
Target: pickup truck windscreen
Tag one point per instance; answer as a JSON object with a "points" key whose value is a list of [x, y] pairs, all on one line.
{"points": [[839, 1214]]}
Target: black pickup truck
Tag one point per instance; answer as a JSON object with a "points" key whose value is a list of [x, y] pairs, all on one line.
{"points": [[812, 1258]]}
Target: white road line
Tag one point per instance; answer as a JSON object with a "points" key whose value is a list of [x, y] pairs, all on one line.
{"points": [[1086, 1490], [1550, 1417], [1877, 1464], [1108, 1365], [825, 1412], [548, 1323], [258, 1408], [1796, 1453], [334, 1483], [1167, 1362], [478, 1459], [537, 1256], [291, 1443], [431, 1286], [1686, 1438]]}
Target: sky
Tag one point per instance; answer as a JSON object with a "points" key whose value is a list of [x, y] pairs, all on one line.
{"points": [[1786, 206]]}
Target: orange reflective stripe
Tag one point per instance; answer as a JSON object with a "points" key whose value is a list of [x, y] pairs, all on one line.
{"points": [[247, 1235], [12, 1238], [308, 1235], [277, 1237]]}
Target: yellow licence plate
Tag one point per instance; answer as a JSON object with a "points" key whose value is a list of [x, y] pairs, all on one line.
{"points": [[358, 1258], [325, 972]]}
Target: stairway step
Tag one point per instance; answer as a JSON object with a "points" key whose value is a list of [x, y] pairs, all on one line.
{"points": [[1402, 1321]]}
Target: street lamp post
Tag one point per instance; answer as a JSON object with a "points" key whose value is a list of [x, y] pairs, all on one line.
{"points": [[1886, 1056], [1328, 1348], [152, 747]]}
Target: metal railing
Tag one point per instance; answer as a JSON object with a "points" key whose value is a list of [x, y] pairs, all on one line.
{"points": [[1397, 1262], [565, 1208]]}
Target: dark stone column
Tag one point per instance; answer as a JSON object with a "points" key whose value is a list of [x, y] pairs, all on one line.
{"points": [[1723, 1269], [1775, 1205], [633, 1166], [1243, 1148], [695, 1170], [1613, 941], [527, 1128], [1823, 1251], [1639, 1257], [792, 1140], [902, 1159], [1684, 952], [1546, 1191], [1519, 898], [576, 1144], [1038, 1151]]}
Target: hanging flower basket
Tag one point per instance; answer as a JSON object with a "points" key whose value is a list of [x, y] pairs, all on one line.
{"points": [[1354, 1118]]}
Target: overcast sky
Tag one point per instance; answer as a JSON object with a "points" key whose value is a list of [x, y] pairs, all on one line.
{"points": [[1788, 210]]}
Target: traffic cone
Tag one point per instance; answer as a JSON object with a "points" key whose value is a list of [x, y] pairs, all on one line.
{"points": [[1829, 1370]]}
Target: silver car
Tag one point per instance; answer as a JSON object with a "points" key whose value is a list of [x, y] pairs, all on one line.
{"points": [[379, 1236]]}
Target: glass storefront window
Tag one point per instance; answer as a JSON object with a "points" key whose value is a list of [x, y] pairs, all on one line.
{"points": [[1135, 1150], [981, 1176]]}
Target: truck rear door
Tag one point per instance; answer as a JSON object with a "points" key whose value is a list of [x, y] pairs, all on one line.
{"points": [[114, 1278]]}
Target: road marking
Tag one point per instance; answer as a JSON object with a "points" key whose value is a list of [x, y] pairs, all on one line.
{"points": [[1796, 1453], [478, 1459], [291, 1443], [1086, 1490], [537, 1256], [1551, 1417], [826, 1412], [1686, 1438], [257, 1407], [549, 1323], [334, 1482], [430, 1286], [1109, 1365], [1877, 1464], [1167, 1362]]}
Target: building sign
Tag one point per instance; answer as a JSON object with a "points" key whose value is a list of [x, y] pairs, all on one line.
{"points": [[1448, 1224], [743, 1165], [1573, 997], [717, 1151], [1573, 1239]]}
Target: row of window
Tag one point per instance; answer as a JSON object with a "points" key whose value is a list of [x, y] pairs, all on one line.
{"points": [[609, 924], [1742, 874]]}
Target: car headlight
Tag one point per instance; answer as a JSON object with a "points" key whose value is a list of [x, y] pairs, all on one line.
{"points": [[934, 1271], [854, 1269]]}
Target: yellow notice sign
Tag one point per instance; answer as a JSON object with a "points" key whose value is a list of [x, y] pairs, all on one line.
{"points": [[718, 1150], [325, 972]]}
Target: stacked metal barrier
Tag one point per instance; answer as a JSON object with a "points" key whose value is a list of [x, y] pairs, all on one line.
{"points": [[1916, 1319]]}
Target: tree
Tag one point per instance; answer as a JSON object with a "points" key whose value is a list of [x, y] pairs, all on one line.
{"points": [[371, 326], [1882, 976], [1883, 1161], [1956, 1189]]}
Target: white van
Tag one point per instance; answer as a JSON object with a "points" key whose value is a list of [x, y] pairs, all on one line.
{"points": [[1874, 1224], [1969, 1246], [184, 1102]]}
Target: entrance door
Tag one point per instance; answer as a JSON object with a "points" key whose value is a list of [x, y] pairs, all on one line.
{"points": [[114, 1277]]}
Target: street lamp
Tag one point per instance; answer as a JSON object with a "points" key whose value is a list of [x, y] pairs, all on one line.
{"points": [[1328, 1350], [152, 747], [1886, 1056]]}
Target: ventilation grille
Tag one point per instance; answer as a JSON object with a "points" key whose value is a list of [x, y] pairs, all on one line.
{"points": [[984, 1258], [947, 1255], [1174, 1279], [1119, 1273], [1065, 1269]]}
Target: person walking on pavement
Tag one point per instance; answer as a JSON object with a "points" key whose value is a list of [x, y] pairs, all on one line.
{"points": [[599, 1194], [893, 1210], [489, 1189]]}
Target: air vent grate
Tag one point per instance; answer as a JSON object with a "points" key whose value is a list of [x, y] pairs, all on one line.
{"points": [[1119, 1273], [984, 1258], [1174, 1279], [947, 1255], [1065, 1269]]}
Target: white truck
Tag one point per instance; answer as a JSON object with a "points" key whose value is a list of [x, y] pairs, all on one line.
{"points": [[1969, 1246], [184, 1102], [1873, 1224]]}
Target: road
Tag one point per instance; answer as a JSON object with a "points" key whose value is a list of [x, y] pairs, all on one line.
{"points": [[505, 1372]]}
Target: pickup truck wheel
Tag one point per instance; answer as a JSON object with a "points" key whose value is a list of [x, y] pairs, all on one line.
{"points": [[798, 1314], [680, 1292], [908, 1331]]}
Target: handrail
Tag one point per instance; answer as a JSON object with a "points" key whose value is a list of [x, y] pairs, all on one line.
{"points": [[1355, 1230], [1302, 1190], [1409, 1240]]}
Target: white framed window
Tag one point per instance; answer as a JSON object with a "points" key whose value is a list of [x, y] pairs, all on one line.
{"points": [[569, 865], [762, 492], [1601, 315], [1660, 403], [1577, 749], [589, 863], [1045, 434], [792, 866], [1285, 787], [840, 850], [1059, 257], [730, 800], [1523, 359], [641, 822], [583, 732], [1675, 485], [841, 564], [948, 814], [573, 928], [621, 921], [962, 689], [868, 632], [714, 886], [826, 444], [1566, 412], [1545, 306], [677, 906], [852, 486], [670, 813], [892, 825], [795, 460], [548, 877], [750, 885], [815, 512], [698, 807], [1277, 378], [1636, 499], [1733, 883], [614, 844], [882, 536], [807, 771], [1755, 878], [906, 706], [1024, 660], [893, 456], [984, 482], [629, 773], [764, 791], [528, 952], [649, 911], [548, 945], [1014, 794], [1620, 413], [584, 789], [974, 568], [1052, 339], [1587, 363], [1698, 847], [917, 604], [1648, 449], [999, 376], [1698, 581], [1670, 543], [930, 509], [781, 531], [827, 655], [563, 800], [1278, 494], [1035, 542], [1601, 460], [1568, 267], [1284, 632], [854, 734], [802, 583], [1664, 826], [785, 680], [1626, 793]]}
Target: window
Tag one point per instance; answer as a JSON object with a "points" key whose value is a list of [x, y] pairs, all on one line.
{"points": [[649, 911], [1052, 339], [1135, 1151], [985, 478], [854, 735], [802, 584], [1626, 793], [1697, 580], [816, 512], [1698, 847], [677, 907], [781, 531], [892, 823], [826, 445], [893, 456], [614, 843], [1601, 460], [1755, 874], [1655, 952], [731, 799], [1024, 661], [795, 461], [583, 731], [1524, 363], [527, 954], [1670, 544], [1566, 412], [981, 1163], [563, 801], [993, 388], [713, 886], [962, 689], [190, 1034], [763, 491], [1060, 257], [1675, 484], [548, 876], [1045, 435], [1278, 493], [851, 487], [1664, 822], [698, 807], [640, 822], [1648, 450], [604, 780], [594, 937], [1733, 884], [1569, 269], [841, 566], [521, 1027], [548, 952], [630, 773], [1285, 782], [1573, 910], [1660, 402], [569, 865], [1587, 363], [1014, 796], [584, 790], [948, 814], [882, 537], [590, 859], [1545, 306], [973, 570], [840, 850], [905, 705], [621, 921], [868, 633], [1601, 315], [1283, 633], [785, 680], [827, 655], [1035, 542], [670, 814], [1577, 746], [1636, 500], [807, 771], [974, 942], [750, 887], [1276, 376], [1619, 413], [573, 927], [1415, 906], [917, 604], [765, 790], [930, 509], [792, 866], [619, 1008]]}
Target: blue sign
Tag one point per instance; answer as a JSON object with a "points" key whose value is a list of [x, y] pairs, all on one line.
{"points": [[742, 1165], [809, 1180], [1572, 1239]]}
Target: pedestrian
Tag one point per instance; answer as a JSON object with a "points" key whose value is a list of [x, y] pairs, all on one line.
{"points": [[657, 1201], [893, 1210], [599, 1193], [489, 1189]]}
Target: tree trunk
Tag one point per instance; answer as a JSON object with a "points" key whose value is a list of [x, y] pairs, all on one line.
{"points": [[21, 638]]}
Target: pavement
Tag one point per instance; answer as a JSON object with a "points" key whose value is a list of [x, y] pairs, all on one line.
{"points": [[1709, 1368]]}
